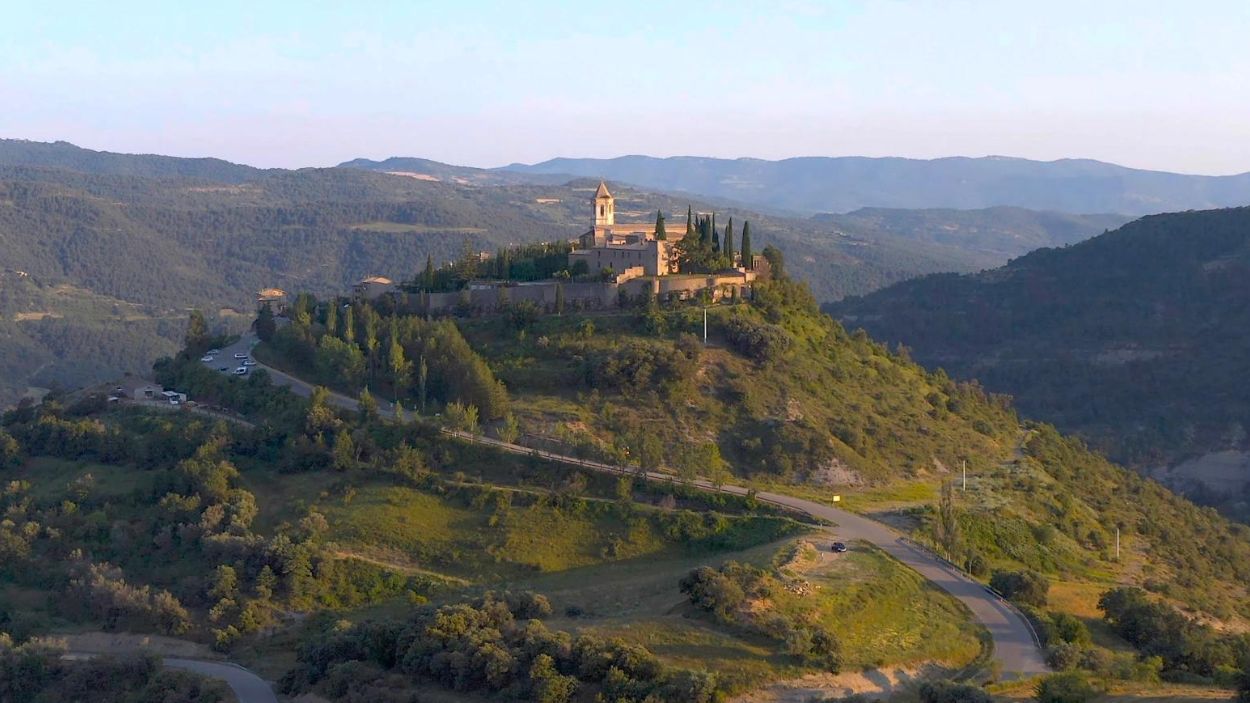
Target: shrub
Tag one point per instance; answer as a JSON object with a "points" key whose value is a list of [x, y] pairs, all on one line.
{"points": [[1027, 587], [757, 340], [951, 692], [1063, 656], [1068, 687]]}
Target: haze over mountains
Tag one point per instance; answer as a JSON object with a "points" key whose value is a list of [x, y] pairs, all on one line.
{"points": [[841, 184]]}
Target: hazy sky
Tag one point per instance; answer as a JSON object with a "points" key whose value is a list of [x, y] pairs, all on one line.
{"points": [[1150, 84]]}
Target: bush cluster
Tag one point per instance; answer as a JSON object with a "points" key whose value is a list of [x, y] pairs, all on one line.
{"points": [[490, 646]]}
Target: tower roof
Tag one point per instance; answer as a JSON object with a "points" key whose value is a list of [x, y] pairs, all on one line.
{"points": [[602, 192]]}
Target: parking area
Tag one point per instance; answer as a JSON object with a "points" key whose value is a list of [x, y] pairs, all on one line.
{"points": [[230, 359]]}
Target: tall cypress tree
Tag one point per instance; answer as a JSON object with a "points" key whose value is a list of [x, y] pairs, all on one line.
{"points": [[727, 242], [427, 276], [660, 234], [689, 222], [715, 241], [746, 245]]}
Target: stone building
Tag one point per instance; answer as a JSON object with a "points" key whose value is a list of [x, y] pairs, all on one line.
{"points": [[620, 245]]}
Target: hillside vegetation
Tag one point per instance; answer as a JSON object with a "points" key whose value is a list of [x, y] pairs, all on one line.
{"points": [[784, 396], [1136, 340], [100, 248]]}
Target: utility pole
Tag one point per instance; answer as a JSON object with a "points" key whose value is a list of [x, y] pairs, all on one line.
{"points": [[705, 326], [1117, 543], [965, 475]]}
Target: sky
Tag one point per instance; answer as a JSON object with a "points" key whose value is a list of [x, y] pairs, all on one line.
{"points": [[1148, 84]]}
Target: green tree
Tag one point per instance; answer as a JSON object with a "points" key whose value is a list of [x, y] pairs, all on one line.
{"points": [[459, 416], [947, 529], [265, 325], [427, 276], [10, 451], [689, 224], [559, 298], [509, 429], [344, 451], [727, 242], [332, 318], [197, 337], [746, 252], [349, 325], [661, 234], [549, 685], [776, 262], [398, 366], [423, 377], [368, 405]]}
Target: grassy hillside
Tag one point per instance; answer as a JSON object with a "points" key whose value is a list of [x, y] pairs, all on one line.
{"points": [[1135, 339]]}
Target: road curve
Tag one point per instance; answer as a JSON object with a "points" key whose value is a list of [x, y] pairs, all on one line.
{"points": [[1014, 643], [247, 687]]}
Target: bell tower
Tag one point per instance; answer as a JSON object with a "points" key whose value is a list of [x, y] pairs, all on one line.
{"points": [[605, 206]]}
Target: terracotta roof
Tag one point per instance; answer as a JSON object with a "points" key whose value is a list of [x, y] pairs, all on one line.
{"points": [[602, 192], [271, 293], [379, 280]]}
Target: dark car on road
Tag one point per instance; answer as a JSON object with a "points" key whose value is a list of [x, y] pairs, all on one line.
{"points": [[839, 547]]}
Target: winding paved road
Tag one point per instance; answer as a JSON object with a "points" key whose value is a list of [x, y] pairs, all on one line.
{"points": [[1014, 642], [247, 687]]}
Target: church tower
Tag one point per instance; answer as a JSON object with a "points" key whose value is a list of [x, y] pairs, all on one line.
{"points": [[605, 206]]}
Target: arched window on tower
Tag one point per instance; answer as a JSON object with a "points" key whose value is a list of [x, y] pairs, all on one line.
{"points": [[600, 211]]}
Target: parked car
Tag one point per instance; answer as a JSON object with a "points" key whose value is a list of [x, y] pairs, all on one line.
{"points": [[249, 362], [213, 352], [241, 371], [838, 547], [223, 368], [240, 355], [206, 359]]}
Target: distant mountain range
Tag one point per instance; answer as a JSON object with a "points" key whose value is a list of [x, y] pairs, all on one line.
{"points": [[1138, 339], [811, 185]]}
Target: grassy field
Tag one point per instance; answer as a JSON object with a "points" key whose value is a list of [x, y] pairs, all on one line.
{"points": [[882, 612]]}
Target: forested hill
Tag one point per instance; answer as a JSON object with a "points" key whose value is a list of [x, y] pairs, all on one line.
{"points": [[820, 184], [989, 236], [1137, 339], [20, 152], [464, 175], [99, 268]]}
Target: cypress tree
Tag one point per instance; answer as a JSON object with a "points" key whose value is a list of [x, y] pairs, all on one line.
{"points": [[689, 222], [349, 325], [660, 234], [332, 318], [559, 298], [746, 245], [727, 242], [715, 241], [423, 376], [427, 276]]}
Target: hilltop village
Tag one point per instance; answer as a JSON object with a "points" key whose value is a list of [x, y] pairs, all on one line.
{"points": [[611, 264]]}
